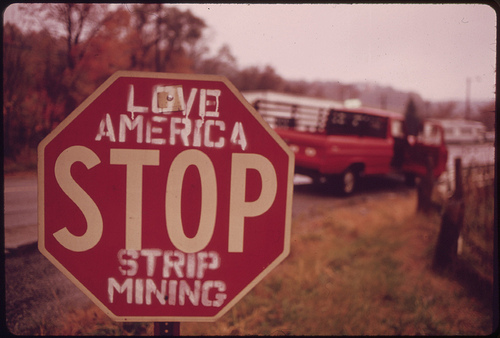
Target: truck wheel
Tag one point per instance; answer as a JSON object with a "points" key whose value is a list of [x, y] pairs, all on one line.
{"points": [[348, 181]]}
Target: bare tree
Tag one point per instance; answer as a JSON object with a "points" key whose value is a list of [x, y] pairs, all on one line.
{"points": [[223, 63], [162, 35], [15, 61], [78, 24]]}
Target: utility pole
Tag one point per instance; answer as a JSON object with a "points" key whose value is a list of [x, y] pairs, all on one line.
{"points": [[467, 98]]}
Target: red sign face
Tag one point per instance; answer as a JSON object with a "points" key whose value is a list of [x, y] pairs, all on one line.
{"points": [[165, 197]]}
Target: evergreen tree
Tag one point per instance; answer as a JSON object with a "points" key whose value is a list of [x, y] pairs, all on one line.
{"points": [[412, 120]]}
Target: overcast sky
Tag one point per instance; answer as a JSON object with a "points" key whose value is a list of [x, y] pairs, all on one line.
{"points": [[429, 49]]}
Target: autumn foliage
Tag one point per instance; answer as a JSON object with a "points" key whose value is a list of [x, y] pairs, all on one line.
{"points": [[60, 53]]}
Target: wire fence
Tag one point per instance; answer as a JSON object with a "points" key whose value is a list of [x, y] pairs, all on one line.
{"points": [[477, 240], [474, 176]]}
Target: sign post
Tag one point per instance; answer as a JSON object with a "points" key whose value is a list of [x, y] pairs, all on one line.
{"points": [[164, 197], [167, 329]]}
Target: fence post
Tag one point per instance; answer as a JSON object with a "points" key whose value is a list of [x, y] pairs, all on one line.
{"points": [[451, 224]]}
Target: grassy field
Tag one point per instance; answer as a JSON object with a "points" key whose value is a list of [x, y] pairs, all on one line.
{"points": [[363, 269]]}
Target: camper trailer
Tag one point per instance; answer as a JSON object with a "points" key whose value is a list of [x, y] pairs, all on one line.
{"points": [[459, 131]]}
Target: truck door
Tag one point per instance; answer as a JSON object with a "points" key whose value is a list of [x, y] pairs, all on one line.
{"points": [[429, 142]]}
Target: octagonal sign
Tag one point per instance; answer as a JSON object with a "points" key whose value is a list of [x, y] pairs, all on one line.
{"points": [[164, 197]]}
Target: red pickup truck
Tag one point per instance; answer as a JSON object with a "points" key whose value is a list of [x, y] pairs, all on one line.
{"points": [[333, 143]]}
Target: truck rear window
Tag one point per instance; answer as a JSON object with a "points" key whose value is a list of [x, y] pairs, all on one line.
{"points": [[356, 124]]}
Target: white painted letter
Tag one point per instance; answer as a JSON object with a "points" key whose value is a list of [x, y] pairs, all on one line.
{"points": [[208, 200], [238, 207], [134, 159], [106, 124], [204, 103], [150, 130], [238, 135], [205, 290], [219, 297], [169, 263], [151, 255], [208, 142], [131, 263], [184, 132], [130, 103], [185, 290], [139, 291], [126, 122], [197, 133], [172, 291], [203, 264], [114, 285], [86, 204], [151, 288]]}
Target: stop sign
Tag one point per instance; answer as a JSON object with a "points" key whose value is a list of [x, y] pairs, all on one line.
{"points": [[164, 197]]}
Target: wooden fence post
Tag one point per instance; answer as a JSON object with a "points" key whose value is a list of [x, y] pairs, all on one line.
{"points": [[451, 224]]}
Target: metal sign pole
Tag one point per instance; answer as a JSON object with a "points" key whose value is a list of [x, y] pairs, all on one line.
{"points": [[167, 329]]}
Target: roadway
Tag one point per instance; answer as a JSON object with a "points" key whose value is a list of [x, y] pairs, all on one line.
{"points": [[20, 210]]}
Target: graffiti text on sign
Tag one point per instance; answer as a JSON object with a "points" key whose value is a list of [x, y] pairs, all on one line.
{"points": [[182, 278], [207, 130]]}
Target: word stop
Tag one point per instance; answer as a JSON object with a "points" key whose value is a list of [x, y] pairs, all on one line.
{"points": [[135, 160]]}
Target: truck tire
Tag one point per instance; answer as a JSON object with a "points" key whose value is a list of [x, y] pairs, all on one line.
{"points": [[347, 182]]}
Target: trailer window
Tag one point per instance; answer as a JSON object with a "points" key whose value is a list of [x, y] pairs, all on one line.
{"points": [[356, 124]]}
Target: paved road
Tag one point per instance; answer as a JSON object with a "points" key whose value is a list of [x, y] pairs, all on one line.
{"points": [[20, 210]]}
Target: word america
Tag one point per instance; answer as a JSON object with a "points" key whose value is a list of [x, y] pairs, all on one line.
{"points": [[182, 281]]}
